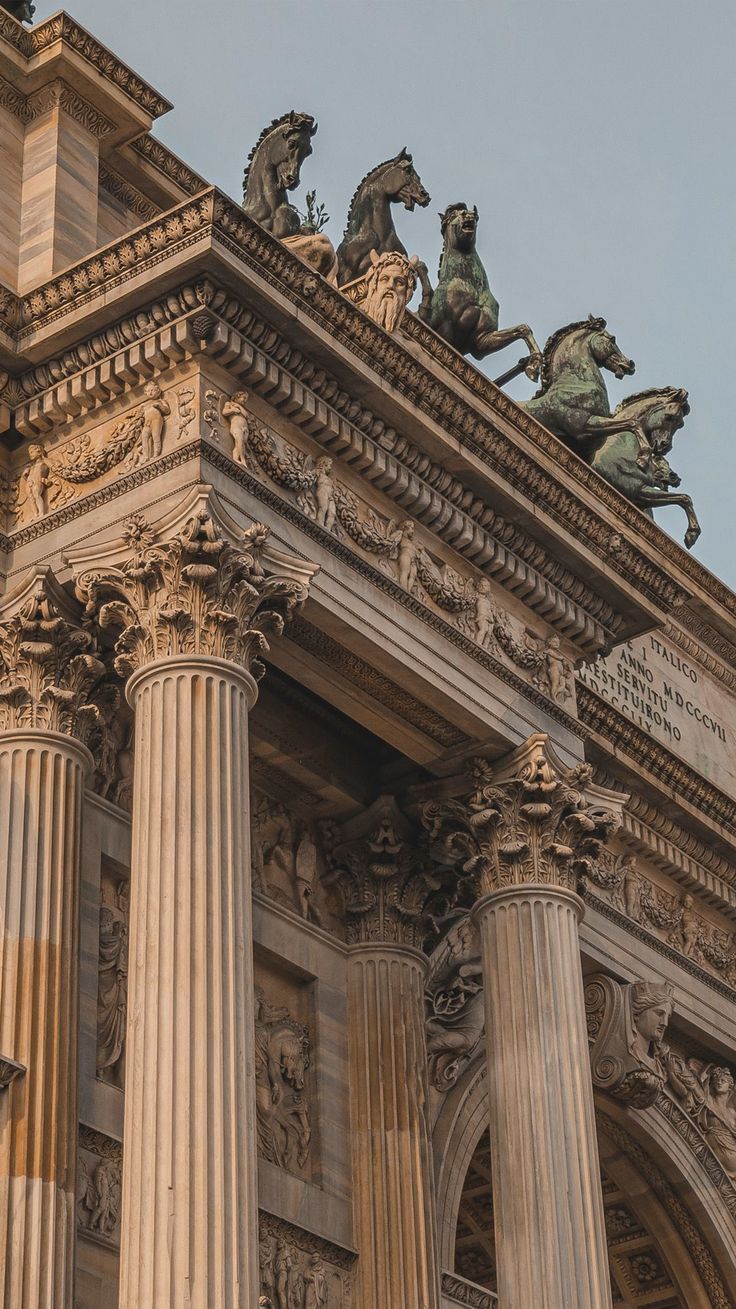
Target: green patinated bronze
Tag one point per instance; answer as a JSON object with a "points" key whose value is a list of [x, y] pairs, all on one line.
{"points": [[273, 169], [462, 307], [23, 10], [370, 224], [573, 395], [632, 452]]}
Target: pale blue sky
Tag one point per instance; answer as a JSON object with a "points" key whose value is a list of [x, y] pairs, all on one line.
{"points": [[596, 139]]}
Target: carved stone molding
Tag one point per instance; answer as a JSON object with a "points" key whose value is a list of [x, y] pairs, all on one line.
{"points": [[56, 95], [626, 1024], [48, 661], [197, 593], [531, 820], [384, 876], [459, 1291], [168, 164], [127, 194]]}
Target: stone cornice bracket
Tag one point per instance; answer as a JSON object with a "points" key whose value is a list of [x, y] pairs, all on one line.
{"points": [[195, 586], [384, 875], [49, 662], [527, 821], [626, 1022]]}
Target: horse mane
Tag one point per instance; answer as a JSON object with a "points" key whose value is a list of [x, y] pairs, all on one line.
{"points": [[595, 325], [641, 401], [292, 119], [402, 154]]}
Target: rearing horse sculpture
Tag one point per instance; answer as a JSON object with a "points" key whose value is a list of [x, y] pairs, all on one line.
{"points": [[273, 169], [572, 400], [462, 308], [651, 417], [370, 224]]}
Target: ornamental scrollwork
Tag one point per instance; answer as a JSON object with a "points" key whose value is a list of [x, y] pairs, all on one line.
{"points": [[532, 821], [196, 594], [48, 665]]}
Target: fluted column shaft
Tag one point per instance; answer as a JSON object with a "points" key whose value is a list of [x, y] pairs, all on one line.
{"points": [[393, 1187], [41, 787], [190, 1209], [550, 1237]]}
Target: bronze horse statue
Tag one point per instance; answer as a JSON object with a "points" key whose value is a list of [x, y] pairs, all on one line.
{"points": [[274, 169], [462, 307], [650, 418], [572, 400], [23, 10], [370, 224]]}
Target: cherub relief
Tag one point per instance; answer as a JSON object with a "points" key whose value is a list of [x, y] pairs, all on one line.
{"points": [[324, 493], [235, 414], [155, 412]]}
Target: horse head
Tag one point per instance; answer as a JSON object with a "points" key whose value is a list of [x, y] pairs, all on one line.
{"points": [[459, 226], [657, 413], [605, 350], [281, 150], [401, 182], [294, 1058]]}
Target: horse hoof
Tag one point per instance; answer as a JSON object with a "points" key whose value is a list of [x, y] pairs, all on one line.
{"points": [[533, 367], [691, 537]]}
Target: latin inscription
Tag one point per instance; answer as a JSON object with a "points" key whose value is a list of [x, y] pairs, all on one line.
{"points": [[674, 699]]}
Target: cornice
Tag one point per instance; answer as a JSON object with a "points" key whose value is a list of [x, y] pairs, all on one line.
{"points": [[56, 95], [169, 165], [705, 634], [62, 28], [124, 191], [213, 216], [626, 739], [314, 400]]}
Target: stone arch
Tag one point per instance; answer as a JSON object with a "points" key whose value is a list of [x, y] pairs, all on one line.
{"points": [[668, 1190]]}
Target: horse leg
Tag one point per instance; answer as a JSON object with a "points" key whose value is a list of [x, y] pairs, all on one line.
{"points": [[425, 308], [654, 499], [487, 342], [601, 425]]}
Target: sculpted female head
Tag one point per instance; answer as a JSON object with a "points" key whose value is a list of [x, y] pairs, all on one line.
{"points": [[651, 1009]]}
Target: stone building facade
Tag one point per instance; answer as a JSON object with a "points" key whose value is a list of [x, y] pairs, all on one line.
{"points": [[367, 785]]}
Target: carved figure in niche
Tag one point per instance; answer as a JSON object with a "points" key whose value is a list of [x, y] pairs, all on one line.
{"points": [[266, 1255], [282, 1060], [324, 493], [283, 1265], [462, 309], [455, 1006], [155, 412], [315, 1284], [627, 1023], [630, 451], [274, 169], [236, 416], [112, 987], [555, 675], [631, 889], [32, 495], [99, 1196], [386, 289], [370, 225], [306, 877]]}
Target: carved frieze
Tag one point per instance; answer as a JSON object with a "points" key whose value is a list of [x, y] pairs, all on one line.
{"points": [[531, 821], [282, 1094], [49, 664], [99, 1186], [288, 863], [300, 1270]]}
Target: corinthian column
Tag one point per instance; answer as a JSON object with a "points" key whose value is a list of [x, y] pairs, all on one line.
{"points": [[190, 616], [386, 894], [524, 834], [47, 670]]}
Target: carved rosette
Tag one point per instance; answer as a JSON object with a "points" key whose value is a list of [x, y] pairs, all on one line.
{"points": [[48, 664], [196, 594], [387, 882], [532, 821]]}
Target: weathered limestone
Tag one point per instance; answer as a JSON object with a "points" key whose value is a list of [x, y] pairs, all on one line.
{"points": [[524, 833], [385, 893], [46, 673], [183, 611]]}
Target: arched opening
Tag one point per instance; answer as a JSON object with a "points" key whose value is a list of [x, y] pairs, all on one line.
{"points": [[650, 1260]]}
